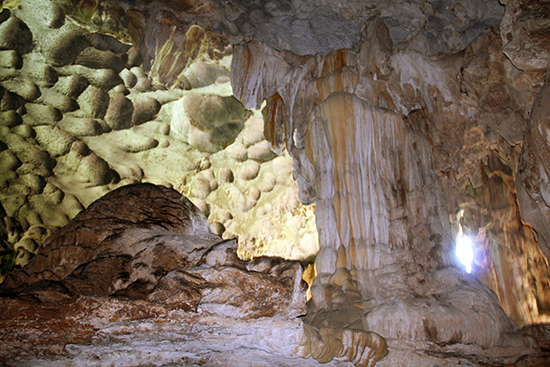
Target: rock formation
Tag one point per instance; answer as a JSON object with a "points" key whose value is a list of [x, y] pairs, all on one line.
{"points": [[81, 118], [387, 244], [408, 124], [147, 242]]}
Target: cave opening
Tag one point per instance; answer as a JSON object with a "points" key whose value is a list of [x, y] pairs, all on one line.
{"points": [[465, 252]]}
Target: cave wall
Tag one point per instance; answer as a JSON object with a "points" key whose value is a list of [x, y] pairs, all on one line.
{"points": [[80, 117], [451, 142]]}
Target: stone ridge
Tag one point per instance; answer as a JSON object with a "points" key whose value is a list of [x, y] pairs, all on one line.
{"points": [[148, 242]]}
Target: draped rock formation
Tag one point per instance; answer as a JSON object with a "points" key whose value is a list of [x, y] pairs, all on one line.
{"points": [[385, 262], [148, 242]]}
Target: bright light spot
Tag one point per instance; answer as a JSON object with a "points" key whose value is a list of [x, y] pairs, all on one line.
{"points": [[465, 253]]}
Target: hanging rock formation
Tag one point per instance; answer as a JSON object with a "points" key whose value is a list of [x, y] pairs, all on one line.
{"points": [[385, 263]]}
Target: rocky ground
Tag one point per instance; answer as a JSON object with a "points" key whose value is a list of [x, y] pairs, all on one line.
{"points": [[138, 278]]}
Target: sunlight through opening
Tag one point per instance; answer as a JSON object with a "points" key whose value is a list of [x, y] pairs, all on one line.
{"points": [[465, 253]]}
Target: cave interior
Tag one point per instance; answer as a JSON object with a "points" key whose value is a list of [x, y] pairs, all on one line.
{"points": [[274, 182]]}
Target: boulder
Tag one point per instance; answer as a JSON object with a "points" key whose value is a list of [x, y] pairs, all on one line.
{"points": [[150, 243]]}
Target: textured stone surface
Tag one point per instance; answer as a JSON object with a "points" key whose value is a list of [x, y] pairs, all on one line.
{"points": [[148, 242], [94, 331], [525, 34], [124, 244], [533, 182], [79, 123]]}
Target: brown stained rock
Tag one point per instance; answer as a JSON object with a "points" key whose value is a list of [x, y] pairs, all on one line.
{"points": [[30, 328], [178, 288], [90, 330], [148, 242], [274, 115], [238, 290], [104, 248]]}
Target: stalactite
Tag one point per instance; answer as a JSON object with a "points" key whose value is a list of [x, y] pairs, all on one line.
{"points": [[380, 208]]}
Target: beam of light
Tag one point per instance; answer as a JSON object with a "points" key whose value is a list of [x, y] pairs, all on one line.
{"points": [[465, 253]]}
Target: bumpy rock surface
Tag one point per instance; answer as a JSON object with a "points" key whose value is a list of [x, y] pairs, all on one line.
{"points": [[79, 118]]}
